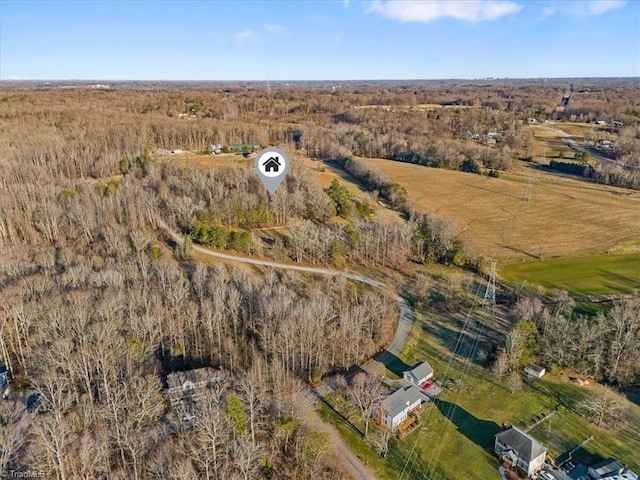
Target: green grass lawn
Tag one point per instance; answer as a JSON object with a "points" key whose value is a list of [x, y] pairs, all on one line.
{"points": [[588, 275], [457, 431]]}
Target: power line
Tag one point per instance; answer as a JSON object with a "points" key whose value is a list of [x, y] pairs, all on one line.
{"points": [[489, 301], [445, 375], [488, 305], [528, 194]]}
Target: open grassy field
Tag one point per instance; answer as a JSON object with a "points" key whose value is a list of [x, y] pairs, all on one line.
{"points": [[548, 145], [480, 404], [462, 423], [592, 275], [577, 129], [566, 216]]}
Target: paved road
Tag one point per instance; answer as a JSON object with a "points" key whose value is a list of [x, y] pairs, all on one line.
{"points": [[351, 462], [403, 330]]}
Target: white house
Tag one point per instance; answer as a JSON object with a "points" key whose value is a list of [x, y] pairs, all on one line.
{"points": [[419, 374], [611, 469], [534, 370], [523, 450], [395, 409]]}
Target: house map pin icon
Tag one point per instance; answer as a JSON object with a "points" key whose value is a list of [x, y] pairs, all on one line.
{"points": [[272, 165]]}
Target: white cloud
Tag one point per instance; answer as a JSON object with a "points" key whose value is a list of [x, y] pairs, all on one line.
{"points": [[583, 8], [273, 28], [426, 11], [598, 7], [548, 11], [243, 37]]}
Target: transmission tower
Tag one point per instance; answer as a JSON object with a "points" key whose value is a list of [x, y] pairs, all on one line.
{"points": [[528, 194], [489, 301]]}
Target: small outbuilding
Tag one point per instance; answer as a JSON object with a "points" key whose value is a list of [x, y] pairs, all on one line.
{"points": [[420, 374], [534, 370]]}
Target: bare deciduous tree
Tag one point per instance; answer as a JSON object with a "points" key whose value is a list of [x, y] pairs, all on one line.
{"points": [[603, 408], [366, 391]]}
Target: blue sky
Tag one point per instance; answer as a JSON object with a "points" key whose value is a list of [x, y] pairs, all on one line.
{"points": [[318, 40]]}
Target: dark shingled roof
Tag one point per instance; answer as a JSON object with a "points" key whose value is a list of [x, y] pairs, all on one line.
{"points": [[527, 447]]}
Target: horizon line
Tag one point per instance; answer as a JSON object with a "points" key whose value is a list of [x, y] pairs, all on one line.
{"points": [[18, 80]]}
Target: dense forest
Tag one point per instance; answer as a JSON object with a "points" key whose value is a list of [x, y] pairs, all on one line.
{"points": [[98, 305]]}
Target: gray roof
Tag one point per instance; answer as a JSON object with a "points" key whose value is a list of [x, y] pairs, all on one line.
{"points": [[421, 370], [401, 399], [527, 447], [557, 474], [535, 368], [607, 467]]}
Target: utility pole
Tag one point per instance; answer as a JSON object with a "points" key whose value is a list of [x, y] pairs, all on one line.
{"points": [[489, 301], [528, 194]]}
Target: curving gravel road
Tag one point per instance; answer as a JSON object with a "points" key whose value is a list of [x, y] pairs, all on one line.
{"points": [[351, 462]]}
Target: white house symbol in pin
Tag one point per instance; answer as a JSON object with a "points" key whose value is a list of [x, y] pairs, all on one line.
{"points": [[271, 165]]}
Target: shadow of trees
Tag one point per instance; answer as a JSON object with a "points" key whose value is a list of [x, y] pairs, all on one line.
{"points": [[392, 362], [474, 343], [480, 432]]}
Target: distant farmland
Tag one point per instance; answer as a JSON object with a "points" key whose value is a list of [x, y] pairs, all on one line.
{"points": [[590, 275], [566, 216]]}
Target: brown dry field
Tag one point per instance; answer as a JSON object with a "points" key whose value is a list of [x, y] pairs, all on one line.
{"points": [[577, 129], [206, 161], [565, 217], [547, 145]]}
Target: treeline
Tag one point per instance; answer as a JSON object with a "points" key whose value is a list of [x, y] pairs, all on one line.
{"points": [[580, 169], [394, 194], [455, 156], [605, 346], [601, 172], [618, 175]]}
